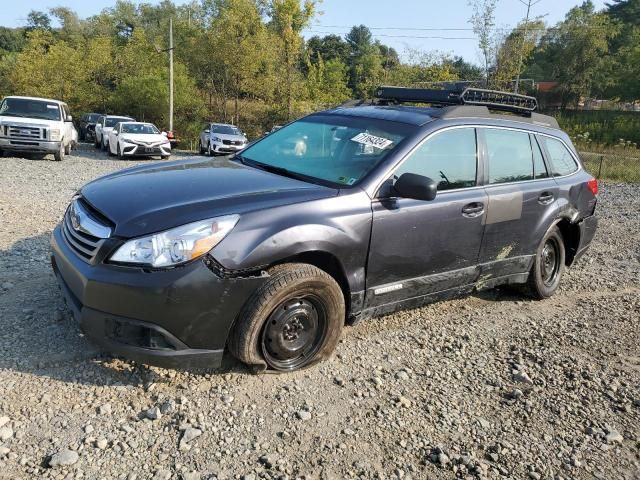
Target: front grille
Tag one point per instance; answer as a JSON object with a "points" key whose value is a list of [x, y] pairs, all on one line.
{"points": [[232, 142], [84, 245], [25, 133]]}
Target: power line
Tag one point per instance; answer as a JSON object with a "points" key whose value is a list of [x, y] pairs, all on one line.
{"points": [[432, 37]]}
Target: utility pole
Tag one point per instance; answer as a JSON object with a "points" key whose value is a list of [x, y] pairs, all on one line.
{"points": [[171, 74], [528, 4]]}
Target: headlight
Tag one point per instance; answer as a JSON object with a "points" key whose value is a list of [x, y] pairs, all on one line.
{"points": [[216, 139], [178, 245], [55, 134]]}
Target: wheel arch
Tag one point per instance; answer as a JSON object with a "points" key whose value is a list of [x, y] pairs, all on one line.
{"points": [[328, 263], [570, 232]]}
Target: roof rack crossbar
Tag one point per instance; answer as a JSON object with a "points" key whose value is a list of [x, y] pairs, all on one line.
{"points": [[492, 99]]}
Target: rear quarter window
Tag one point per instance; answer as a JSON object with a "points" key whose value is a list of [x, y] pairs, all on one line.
{"points": [[560, 159]]}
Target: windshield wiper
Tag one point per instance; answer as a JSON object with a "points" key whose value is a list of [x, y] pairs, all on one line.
{"points": [[13, 115], [277, 170]]}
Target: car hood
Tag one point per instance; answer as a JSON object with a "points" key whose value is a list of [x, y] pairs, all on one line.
{"points": [[31, 122], [224, 136], [156, 197], [149, 138]]}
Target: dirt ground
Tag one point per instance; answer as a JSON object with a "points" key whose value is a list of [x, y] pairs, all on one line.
{"points": [[494, 385]]}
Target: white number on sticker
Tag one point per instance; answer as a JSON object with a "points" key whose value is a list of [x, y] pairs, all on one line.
{"points": [[372, 140]]}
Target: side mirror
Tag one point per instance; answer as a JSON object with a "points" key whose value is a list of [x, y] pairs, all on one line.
{"points": [[115, 133], [417, 187], [164, 134], [69, 118]]}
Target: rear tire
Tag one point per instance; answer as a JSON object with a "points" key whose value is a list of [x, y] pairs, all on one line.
{"points": [[292, 321], [67, 149], [548, 266]]}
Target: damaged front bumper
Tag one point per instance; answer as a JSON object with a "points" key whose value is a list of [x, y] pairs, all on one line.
{"points": [[174, 318]]}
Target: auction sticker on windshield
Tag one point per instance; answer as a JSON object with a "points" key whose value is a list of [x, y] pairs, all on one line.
{"points": [[372, 140]]}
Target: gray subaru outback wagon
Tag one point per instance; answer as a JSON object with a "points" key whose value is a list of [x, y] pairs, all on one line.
{"points": [[342, 215]]}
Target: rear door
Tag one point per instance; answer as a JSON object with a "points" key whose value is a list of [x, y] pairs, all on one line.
{"points": [[422, 247], [522, 200]]}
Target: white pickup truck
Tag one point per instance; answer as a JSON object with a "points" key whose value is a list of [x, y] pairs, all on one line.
{"points": [[36, 125]]}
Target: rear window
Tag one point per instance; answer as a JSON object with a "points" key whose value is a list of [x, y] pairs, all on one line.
{"points": [[562, 162], [510, 156]]}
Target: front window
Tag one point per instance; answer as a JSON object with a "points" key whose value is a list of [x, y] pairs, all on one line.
{"points": [[449, 158], [111, 122], [225, 130], [332, 149], [22, 107], [139, 128]]}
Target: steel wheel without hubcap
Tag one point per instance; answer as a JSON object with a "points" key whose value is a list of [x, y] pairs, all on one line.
{"points": [[549, 264], [294, 332]]}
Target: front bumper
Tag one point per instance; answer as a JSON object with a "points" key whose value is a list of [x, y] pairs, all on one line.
{"points": [[134, 150], [20, 145], [221, 148], [176, 318]]}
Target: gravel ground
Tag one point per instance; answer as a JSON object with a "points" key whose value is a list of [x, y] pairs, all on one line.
{"points": [[489, 386]]}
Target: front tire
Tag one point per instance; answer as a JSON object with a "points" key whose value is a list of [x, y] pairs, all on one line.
{"points": [[59, 155], [210, 152], [292, 321], [548, 266], [96, 142], [120, 155], [201, 148]]}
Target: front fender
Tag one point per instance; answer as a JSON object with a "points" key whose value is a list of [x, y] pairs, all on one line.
{"points": [[339, 226]]}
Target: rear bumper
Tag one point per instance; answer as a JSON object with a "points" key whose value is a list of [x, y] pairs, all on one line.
{"points": [[178, 318], [588, 227], [29, 145]]}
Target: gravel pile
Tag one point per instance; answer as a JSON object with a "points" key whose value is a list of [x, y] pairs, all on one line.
{"points": [[489, 386]]}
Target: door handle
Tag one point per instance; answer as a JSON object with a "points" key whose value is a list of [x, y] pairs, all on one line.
{"points": [[545, 198], [472, 210]]}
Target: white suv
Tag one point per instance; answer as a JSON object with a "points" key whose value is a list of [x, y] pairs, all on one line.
{"points": [[221, 138], [36, 125]]}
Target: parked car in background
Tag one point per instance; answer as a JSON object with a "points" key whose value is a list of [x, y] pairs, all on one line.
{"points": [[36, 125], [87, 126], [138, 139], [374, 209], [104, 126], [221, 138]]}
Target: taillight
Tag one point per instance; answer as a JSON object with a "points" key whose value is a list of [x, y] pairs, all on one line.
{"points": [[593, 186]]}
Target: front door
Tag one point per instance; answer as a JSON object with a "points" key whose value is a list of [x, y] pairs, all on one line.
{"points": [[522, 201], [423, 247]]}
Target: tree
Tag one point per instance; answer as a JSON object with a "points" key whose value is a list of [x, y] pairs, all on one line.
{"points": [[330, 47], [575, 53], [365, 69], [326, 82], [37, 20], [288, 19], [483, 21], [464, 70], [514, 51]]}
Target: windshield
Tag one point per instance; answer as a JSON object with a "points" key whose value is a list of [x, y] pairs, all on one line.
{"points": [[22, 107], [111, 121], [140, 128], [226, 130], [338, 150]]}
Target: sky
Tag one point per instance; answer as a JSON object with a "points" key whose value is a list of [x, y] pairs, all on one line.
{"points": [[400, 24]]}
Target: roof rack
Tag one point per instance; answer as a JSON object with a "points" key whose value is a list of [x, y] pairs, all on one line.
{"points": [[492, 99]]}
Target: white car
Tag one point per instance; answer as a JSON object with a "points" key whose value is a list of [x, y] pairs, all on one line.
{"points": [[36, 125], [138, 139], [221, 138], [104, 125]]}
